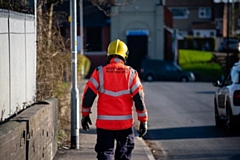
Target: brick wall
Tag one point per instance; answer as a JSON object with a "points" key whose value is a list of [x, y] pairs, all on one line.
{"points": [[31, 135]]}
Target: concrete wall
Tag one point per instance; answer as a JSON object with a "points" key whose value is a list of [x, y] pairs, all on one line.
{"points": [[142, 15], [31, 135], [17, 62]]}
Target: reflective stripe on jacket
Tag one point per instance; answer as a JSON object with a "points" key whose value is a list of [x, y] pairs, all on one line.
{"points": [[116, 84]]}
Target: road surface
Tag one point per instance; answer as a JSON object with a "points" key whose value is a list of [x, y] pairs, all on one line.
{"points": [[181, 123]]}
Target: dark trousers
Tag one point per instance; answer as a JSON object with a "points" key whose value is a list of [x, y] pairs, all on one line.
{"points": [[106, 140]]}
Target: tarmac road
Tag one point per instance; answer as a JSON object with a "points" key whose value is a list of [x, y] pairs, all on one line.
{"points": [[181, 123]]}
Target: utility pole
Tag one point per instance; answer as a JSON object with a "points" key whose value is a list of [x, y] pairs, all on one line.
{"points": [[233, 18], [81, 24], [175, 45], [228, 28], [74, 91], [81, 32]]}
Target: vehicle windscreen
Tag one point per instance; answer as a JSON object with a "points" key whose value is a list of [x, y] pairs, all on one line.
{"points": [[177, 66], [233, 41], [235, 76]]}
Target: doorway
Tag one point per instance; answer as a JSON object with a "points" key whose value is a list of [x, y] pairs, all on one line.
{"points": [[138, 50], [94, 39]]}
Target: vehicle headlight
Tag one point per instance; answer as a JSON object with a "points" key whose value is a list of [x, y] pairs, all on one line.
{"points": [[192, 75]]}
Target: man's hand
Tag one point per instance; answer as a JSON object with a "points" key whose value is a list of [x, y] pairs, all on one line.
{"points": [[85, 121], [142, 129]]}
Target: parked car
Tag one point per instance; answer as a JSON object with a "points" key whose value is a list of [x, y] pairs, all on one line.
{"points": [[230, 44], [164, 71], [227, 100]]}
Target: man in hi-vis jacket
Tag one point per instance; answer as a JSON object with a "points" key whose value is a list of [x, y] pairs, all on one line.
{"points": [[119, 89]]}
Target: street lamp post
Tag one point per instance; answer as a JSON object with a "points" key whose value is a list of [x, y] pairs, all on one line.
{"points": [[228, 30], [228, 26], [81, 32], [74, 91]]}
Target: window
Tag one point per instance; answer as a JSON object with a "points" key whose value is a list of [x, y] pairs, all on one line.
{"points": [[212, 34], [204, 12], [183, 33], [219, 22], [179, 13], [170, 67], [238, 21], [235, 78], [228, 80]]}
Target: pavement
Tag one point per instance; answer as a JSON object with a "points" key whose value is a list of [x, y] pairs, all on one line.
{"points": [[88, 140]]}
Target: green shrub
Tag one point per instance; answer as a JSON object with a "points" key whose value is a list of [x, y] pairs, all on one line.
{"points": [[201, 63], [83, 63], [193, 56]]}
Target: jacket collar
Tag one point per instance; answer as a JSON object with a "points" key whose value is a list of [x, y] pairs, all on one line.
{"points": [[116, 60]]}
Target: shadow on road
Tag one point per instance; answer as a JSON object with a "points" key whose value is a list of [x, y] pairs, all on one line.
{"points": [[189, 133], [90, 131], [206, 92]]}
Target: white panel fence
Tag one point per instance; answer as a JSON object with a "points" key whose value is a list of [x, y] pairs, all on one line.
{"points": [[17, 62]]}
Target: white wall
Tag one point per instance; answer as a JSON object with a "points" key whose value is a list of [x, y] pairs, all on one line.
{"points": [[17, 62]]}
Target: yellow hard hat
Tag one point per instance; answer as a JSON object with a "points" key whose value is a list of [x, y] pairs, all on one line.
{"points": [[119, 48]]}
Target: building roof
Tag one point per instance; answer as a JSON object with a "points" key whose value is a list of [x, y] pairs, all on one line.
{"points": [[179, 3], [204, 26]]}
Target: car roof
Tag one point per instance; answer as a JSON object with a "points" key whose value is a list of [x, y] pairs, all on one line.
{"points": [[225, 39], [236, 66], [152, 63], [155, 60]]}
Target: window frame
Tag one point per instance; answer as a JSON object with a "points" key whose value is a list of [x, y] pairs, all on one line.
{"points": [[184, 9], [204, 10], [238, 22]]}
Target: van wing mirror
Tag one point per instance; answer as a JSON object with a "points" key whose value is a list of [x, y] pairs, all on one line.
{"points": [[217, 83]]}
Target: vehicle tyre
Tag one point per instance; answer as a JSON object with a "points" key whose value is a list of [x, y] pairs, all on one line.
{"points": [[218, 121], [149, 78], [230, 121], [184, 79]]}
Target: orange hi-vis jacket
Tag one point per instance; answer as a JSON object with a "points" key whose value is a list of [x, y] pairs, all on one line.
{"points": [[117, 86]]}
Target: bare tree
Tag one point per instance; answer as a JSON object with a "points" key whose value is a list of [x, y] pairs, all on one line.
{"points": [[22, 6], [104, 5]]}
